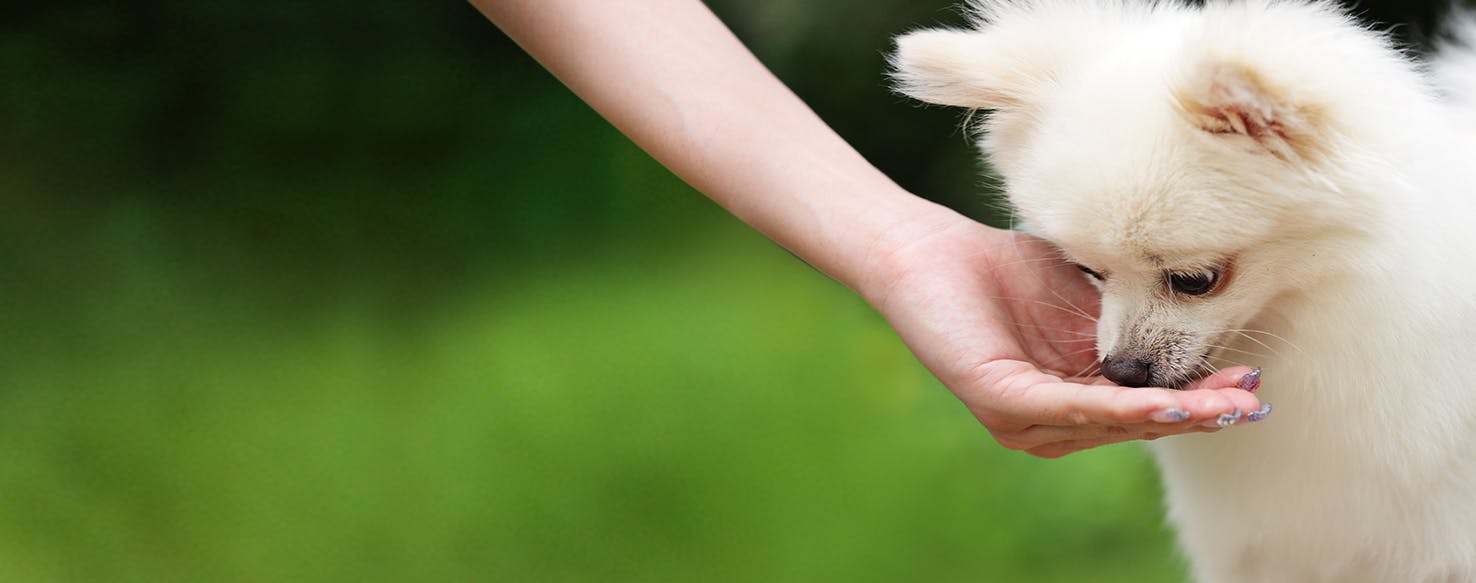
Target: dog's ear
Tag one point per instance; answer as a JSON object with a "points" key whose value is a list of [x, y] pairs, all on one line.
{"points": [[1228, 98], [969, 68]]}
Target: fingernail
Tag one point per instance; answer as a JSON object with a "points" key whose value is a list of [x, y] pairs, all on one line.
{"points": [[1251, 381], [1224, 420], [1170, 416], [1255, 416]]}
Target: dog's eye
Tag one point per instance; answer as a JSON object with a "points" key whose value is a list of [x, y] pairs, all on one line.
{"points": [[1194, 283], [1089, 271]]}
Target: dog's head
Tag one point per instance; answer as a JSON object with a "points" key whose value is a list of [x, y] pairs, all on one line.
{"points": [[1195, 165]]}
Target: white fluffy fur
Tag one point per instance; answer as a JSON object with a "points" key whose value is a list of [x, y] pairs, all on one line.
{"points": [[1339, 177]]}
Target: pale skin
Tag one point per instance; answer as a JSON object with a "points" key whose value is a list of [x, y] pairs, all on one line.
{"points": [[998, 317]]}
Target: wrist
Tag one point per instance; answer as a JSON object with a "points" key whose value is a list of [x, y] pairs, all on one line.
{"points": [[896, 246]]}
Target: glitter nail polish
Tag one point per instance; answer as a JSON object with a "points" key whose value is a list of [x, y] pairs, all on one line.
{"points": [[1251, 381], [1170, 416], [1255, 416], [1224, 420]]}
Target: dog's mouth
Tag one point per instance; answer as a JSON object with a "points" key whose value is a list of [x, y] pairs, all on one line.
{"points": [[1169, 373], [1200, 369], [1176, 382], [1164, 358]]}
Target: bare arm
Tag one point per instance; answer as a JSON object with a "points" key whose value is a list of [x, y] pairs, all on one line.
{"points": [[675, 80]]}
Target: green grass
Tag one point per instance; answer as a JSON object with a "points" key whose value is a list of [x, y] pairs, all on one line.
{"points": [[692, 407]]}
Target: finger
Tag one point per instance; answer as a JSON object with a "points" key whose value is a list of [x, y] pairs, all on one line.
{"points": [[1019, 394], [1058, 449], [1201, 407], [1040, 435], [1063, 448], [1219, 394], [1225, 378], [1206, 399]]}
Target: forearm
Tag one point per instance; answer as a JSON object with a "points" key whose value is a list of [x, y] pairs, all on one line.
{"points": [[668, 74]]}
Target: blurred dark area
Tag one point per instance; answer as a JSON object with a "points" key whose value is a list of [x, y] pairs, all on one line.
{"points": [[195, 103], [356, 290]]}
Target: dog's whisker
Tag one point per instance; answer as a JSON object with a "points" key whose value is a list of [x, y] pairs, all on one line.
{"points": [[1073, 306], [1268, 347], [1237, 350], [1076, 352], [1083, 335], [1028, 261], [1074, 312], [1054, 254], [1090, 370], [1245, 332]]}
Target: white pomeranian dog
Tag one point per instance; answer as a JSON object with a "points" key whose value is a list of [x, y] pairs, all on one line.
{"points": [[1257, 181]]}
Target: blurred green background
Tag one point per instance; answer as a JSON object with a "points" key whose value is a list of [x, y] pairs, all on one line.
{"points": [[356, 291]]}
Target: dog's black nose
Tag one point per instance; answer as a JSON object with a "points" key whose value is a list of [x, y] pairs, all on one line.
{"points": [[1126, 370]]}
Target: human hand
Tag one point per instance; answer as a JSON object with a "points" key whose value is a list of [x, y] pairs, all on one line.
{"points": [[1009, 326], [996, 316]]}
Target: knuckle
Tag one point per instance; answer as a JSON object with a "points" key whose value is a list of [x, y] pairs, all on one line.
{"points": [[1049, 452], [991, 419], [1134, 405], [1011, 441], [1215, 401], [1078, 417]]}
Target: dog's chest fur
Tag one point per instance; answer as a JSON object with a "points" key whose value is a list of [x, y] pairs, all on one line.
{"points": [[1366, 473]]}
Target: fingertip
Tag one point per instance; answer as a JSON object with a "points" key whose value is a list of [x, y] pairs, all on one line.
{"points": [[1208, 403], [1223, 378], [1240, 399], [1222, 393]]}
